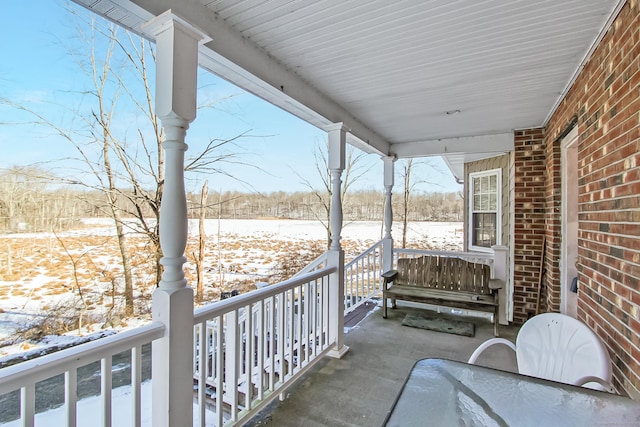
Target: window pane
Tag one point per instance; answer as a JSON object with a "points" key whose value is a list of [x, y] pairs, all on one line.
{"points": [[493, 182], [492, 202], [484, 203], [484, 184], [484, 230]]}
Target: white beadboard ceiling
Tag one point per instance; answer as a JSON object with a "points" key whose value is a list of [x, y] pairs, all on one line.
{"points": [[391, 70]]}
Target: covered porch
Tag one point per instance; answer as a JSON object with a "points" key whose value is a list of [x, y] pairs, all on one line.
{"points": [[506, 93]]}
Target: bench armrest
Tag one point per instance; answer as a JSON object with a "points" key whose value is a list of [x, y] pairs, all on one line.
{"points": [[389, 276], [495, 284]]}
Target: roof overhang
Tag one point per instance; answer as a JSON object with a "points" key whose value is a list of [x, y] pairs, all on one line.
{"points": [[407, 79]]}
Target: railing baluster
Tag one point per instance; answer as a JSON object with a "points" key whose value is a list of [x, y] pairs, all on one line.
{"points": [[71, 396], [313, 319], [298, 328], [325, 312], [28, 405], [272, 343], [281, 334], [219, 360], [291, 329], [354, 278], [105, 390], [249, 340], [360, 269], [262, 342], [305, 334], [231, 362], [203, 352], [136, 385], [371, 262]]}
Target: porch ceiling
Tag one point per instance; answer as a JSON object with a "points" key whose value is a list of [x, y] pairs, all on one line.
{"points": [[392, 70]]}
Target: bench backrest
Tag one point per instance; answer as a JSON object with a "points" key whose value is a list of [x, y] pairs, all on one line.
{"points": [[445, 273]]}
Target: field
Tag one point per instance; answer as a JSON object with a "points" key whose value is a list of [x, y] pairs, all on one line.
{"points": [[72, 282]]}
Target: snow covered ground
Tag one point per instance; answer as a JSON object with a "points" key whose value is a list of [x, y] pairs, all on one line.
{"points": [[37, 280]]}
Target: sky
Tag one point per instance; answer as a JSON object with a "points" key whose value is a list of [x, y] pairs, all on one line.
{"points": [[38, 71]]}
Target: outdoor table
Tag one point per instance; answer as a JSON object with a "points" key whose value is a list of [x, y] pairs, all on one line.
{"points": [[441, 392]]}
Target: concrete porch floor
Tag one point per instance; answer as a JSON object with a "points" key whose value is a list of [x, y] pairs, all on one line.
{"points": [[360, 388]]}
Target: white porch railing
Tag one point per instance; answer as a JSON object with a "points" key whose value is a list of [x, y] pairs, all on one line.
{"points": [[249, 348], [316, 264], [362, 277], [25, 375]]}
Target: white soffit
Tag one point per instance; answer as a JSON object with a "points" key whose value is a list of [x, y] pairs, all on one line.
{"points": [[456, 162], [391, 70]]}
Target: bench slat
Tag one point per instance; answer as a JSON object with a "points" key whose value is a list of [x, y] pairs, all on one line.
{"points": [[438, 294]]}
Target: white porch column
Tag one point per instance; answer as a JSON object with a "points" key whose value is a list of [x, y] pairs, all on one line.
{"points": [[501, 271], [177, 62], [387, 240], [337, 142]]}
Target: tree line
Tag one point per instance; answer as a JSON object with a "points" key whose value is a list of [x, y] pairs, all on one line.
{"points": [[32, 201]]}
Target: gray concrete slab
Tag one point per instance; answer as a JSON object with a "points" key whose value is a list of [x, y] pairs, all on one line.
{"points": [[360, 388]]}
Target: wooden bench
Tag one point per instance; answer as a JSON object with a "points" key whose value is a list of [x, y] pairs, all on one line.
{"points": [[444, 281]]}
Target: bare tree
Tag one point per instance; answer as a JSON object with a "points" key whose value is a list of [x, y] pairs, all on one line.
{"points": [[355, 168], [74, 264], [410, 170], [406, 194], [128, 170], [199, 257]]}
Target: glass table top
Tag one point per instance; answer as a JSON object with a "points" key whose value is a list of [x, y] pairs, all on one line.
{"points": [[447, 393]]}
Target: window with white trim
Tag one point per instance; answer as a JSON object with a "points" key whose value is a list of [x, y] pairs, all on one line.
{"points": [[484, 209]]}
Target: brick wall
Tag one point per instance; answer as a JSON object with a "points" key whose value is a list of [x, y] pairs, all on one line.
{"points": [[606, 100], [529, 221]]}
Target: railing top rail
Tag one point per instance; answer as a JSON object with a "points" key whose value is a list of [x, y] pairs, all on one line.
{"points": [[364, 254], [216, 309], [34, 370], [445, 253], [313, 264]]}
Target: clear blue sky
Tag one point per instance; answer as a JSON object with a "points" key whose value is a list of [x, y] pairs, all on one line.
{"points": [[37, 71]]}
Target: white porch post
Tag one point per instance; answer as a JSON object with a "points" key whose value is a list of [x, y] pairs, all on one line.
{"points": [[387, 240], [501, 271], [177, 62], [337, 142]]}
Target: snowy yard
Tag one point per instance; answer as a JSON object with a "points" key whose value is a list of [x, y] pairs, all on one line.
{"points": [[38, 282], [37, 279]]}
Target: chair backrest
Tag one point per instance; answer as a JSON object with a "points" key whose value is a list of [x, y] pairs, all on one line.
{"points": [[557, 347]]}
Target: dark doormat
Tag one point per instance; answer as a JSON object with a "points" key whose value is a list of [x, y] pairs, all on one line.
{"points": [[440, 324]]}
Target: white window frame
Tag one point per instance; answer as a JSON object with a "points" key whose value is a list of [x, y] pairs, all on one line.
{"points": [[472, 176]]}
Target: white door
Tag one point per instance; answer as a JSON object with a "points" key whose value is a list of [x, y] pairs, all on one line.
{"points": [[569, 221]]}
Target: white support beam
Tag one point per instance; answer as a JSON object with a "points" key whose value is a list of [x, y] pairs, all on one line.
{"points": [[497, 143], [337, 136], [387, 240], [244, 64], [176, 87]]}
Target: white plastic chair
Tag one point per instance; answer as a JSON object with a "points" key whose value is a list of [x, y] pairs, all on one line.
{"points": [[560, 348]]}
